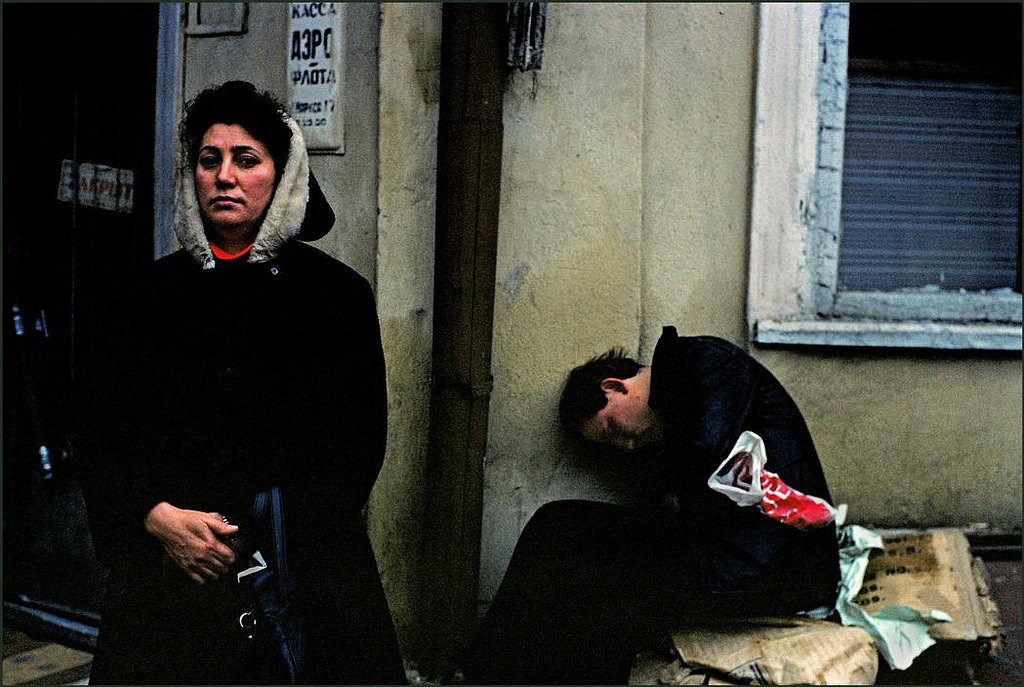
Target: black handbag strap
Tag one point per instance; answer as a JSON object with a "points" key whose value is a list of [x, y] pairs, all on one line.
{"points": [[268, 512]]}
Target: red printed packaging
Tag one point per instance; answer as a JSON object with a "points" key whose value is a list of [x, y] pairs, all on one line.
{"points": [[743, 479]]}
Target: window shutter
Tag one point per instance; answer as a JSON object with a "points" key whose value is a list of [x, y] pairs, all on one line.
{"points": [[931, 185]]}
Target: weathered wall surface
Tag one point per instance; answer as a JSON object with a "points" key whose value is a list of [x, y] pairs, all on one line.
{"points": [[410, 58], [698, 123], [569, 252], [913, 438]]}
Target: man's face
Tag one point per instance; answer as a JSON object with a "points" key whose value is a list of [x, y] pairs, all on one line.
{"points": [[626, 421]]}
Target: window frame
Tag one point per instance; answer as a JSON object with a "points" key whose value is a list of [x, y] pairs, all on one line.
{"points": [[793, 297]]}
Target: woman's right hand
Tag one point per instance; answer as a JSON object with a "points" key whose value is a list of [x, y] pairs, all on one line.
{"points": [[192, 540]]}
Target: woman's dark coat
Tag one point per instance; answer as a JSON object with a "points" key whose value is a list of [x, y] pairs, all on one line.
{"points": [[223, 378]]}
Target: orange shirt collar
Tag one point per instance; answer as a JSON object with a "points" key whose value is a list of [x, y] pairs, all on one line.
{"points": [[221, 254]]}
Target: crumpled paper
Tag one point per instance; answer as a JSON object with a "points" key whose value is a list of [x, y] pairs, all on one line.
{"points": [[900, 632]]}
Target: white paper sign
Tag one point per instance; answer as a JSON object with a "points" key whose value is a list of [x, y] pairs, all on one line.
{"points": [[316, 70], [99, 186]]}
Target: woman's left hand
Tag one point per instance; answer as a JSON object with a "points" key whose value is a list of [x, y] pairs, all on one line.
{"points": [[192, 539]]}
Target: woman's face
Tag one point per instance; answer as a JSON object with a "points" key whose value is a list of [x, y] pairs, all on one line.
{"points": [[235, 177]]}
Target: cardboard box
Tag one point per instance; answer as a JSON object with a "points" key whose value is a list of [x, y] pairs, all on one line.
{"points": [[933, 569]]}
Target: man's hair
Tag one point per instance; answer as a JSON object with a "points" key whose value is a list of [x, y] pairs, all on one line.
{"points": [[237, 102], [582, 396]]}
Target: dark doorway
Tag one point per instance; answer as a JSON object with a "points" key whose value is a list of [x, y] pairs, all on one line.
{"points": [[78, 140]]}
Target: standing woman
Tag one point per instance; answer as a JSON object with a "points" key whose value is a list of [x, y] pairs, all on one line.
{"points": [[244, 360]]}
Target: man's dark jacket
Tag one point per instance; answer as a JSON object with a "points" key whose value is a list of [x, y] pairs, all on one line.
{"points": [[709, 391]]}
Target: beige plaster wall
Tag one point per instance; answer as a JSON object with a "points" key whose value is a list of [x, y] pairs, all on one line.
{"points": [[569, 252], [410, 56], [913, 439], [698, 123]]}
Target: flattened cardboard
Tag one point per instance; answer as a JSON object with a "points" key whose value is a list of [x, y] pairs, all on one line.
{"points": [[929, 570], [925, 570], [779, 651]]}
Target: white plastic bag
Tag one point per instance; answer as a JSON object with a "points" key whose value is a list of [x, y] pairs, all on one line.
{"points": [[742, 478]]}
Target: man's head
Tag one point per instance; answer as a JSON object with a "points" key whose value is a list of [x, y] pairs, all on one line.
{"points": [[605, 401]]}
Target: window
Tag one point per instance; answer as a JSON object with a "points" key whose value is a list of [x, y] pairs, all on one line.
{"points": [[886, 205]]}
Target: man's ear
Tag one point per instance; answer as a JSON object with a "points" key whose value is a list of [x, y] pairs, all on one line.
{"points": [[613, 384]]}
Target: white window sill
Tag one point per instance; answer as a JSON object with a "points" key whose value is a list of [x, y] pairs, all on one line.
{"points": [[982, 336]]}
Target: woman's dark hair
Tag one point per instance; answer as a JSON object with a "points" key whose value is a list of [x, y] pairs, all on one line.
{"points": [[582, 396], [236, 102]]}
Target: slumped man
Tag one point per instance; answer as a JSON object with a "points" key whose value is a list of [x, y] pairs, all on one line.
{"points": [[590, 584]]}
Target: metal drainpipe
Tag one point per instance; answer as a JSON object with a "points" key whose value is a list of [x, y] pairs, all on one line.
{"points": [[468, 189]]}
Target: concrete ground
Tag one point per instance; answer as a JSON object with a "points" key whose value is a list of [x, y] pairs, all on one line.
{"points": [[32, 660]]}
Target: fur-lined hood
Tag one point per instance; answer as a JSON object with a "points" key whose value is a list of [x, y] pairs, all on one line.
{"points": [[298, 209]]}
